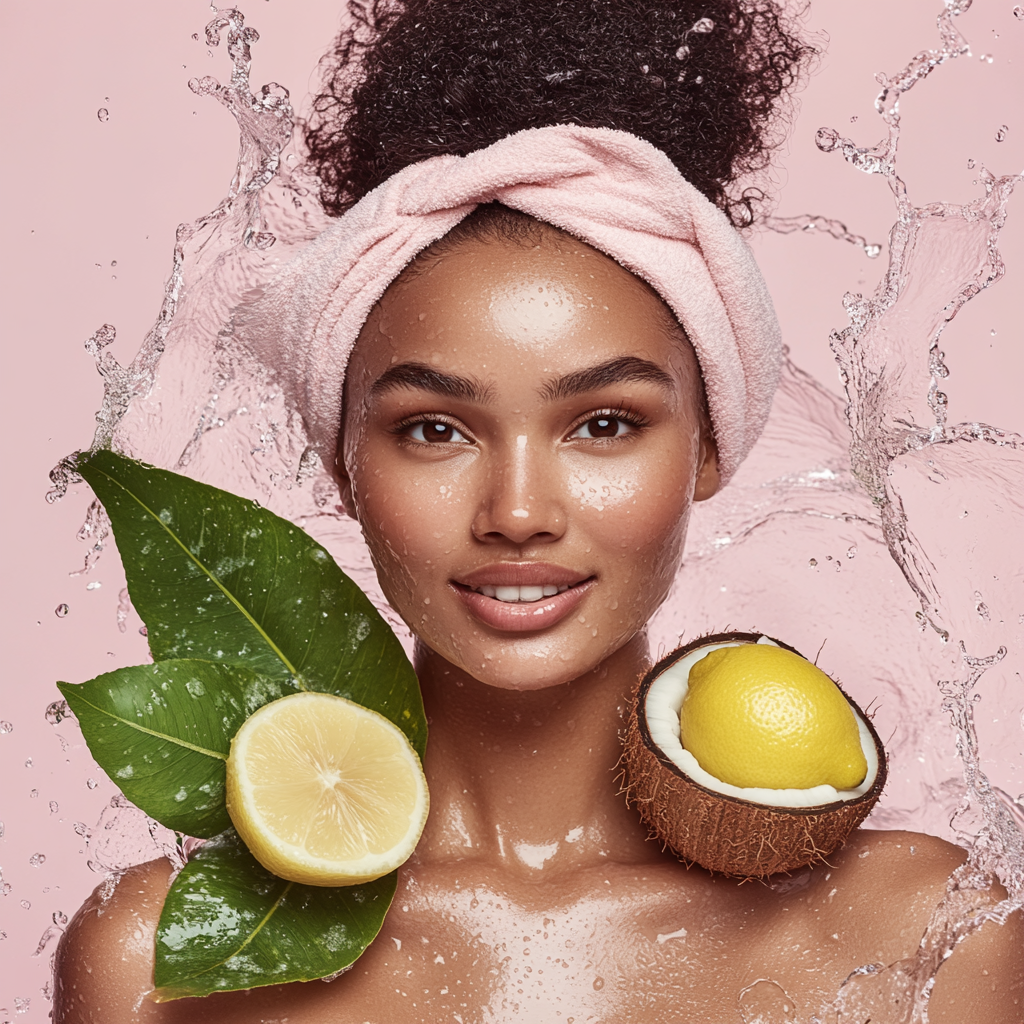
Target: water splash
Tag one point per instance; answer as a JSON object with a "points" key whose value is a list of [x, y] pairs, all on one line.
{"points": [[203, 248]]}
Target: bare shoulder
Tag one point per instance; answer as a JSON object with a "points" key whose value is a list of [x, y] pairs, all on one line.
{"points": [[105, 959], [897, 880]]}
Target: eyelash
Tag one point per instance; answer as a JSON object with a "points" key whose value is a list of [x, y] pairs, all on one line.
{"points": [[626, 414], [402, 429]]}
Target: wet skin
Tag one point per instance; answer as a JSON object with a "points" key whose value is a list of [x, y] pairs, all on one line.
{"points": [[521, 414]]}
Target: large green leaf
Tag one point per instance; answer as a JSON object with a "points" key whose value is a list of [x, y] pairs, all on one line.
{"points": [[162, 732], [228, 924], [216, 577]]}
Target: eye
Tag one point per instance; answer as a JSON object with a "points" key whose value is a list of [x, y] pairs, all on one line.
{"points": [[434, 432], [601, 427]]}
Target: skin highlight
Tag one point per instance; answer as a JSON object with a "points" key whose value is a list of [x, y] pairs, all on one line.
{"points": [[534, 894]]}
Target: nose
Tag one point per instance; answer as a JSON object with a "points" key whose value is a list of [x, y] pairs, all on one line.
{"points": [[522, 499]]}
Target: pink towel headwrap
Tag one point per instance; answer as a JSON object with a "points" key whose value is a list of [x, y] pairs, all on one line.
{"points": [[608, 188]]}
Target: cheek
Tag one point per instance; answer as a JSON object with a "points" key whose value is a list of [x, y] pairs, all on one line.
{"points": [[635, 505], [413, 521]]}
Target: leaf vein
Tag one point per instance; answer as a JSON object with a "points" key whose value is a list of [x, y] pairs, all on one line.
{"points": [[152, 732], [220, 586]]}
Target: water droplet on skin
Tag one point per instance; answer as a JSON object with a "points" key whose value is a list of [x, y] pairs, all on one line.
{"points": [[61, 610], [103, 114], [1002, 133], [37, 860]]}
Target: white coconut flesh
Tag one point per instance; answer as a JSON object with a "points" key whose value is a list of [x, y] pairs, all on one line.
{"points": [[662, 707]]}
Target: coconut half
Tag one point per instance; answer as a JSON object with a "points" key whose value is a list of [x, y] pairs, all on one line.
{"points": [[743, 832]]}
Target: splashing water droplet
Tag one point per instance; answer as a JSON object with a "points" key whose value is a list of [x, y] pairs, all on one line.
{"points": [[61, 610], [703, 26], [143, 631], [60, 918], [826, 139], [6, 727], [94, 585], [970, 163], [28, 762], [57, 712], [683, 52], [37, 860], [91, 783], [103, 114], [124, 606], [54, 807], [1002, 132], [26, 905], [1018, 12]]}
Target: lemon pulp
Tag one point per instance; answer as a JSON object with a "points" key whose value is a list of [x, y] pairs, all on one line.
{"points": [[756, 715], [324, 791]]}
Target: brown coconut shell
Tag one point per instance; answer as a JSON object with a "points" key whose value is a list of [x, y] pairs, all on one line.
{"points": [[722, 833]]}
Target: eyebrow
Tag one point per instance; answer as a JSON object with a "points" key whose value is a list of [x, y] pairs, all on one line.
{"points": [[450, 385], [426, 378], [614, 371]]}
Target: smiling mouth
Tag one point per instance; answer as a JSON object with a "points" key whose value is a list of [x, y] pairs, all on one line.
{"points": [[523, 594]]}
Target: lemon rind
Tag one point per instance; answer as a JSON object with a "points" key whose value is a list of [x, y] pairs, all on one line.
{"points": [[662, 708]]}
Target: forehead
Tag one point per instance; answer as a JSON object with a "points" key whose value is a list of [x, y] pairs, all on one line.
{"points": [[510, 308]]}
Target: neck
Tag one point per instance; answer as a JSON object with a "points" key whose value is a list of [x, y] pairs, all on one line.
{"points": [[527, 780]]}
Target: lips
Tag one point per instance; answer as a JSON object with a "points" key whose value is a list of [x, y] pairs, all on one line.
{"points": [[522, 597]]}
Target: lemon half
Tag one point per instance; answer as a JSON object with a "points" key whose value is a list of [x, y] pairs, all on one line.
{"points": [[757, 715], [324, 791]]}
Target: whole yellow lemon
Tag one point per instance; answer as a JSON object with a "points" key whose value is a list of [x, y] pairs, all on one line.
{"points": [[759, 715]]}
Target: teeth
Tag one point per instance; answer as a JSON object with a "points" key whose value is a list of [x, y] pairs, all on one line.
{"points": [[516, 595]]}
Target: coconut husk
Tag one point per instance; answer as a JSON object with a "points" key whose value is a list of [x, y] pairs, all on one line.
{"points": [[722, 833]]}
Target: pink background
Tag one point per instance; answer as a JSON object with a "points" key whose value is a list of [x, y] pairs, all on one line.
{"points": [[83, 194]]}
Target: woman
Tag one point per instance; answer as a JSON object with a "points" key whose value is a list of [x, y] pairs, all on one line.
{"points": [[520, 425]]}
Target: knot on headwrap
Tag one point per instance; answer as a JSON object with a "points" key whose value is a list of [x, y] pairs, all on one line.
{"points": [[608, 188]]}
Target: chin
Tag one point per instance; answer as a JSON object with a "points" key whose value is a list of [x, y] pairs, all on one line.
{"points": [[535, 663]]}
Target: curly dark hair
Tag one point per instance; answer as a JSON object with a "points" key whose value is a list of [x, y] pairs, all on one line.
{"points": [[703, 80]]}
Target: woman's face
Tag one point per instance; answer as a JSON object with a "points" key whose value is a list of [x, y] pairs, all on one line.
{"points": [[522, 442]]}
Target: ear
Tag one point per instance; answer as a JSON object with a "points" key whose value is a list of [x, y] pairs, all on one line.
{"points": [[344, 482], [709, 480]]}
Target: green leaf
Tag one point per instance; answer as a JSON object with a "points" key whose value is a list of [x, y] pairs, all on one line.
{"points": [[216, 577], [162, 732], [228, 924]]}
